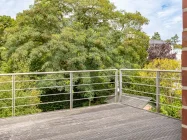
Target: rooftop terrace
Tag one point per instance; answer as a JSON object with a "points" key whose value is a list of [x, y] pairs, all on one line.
{"points": [[131, 99], [111, 122]]}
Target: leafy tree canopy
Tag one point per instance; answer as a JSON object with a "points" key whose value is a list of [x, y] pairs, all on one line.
{"points": [[72, 35], [156, 36], [161, 51], [5, 22], [167, 64], [178, 46], [174, 39]]}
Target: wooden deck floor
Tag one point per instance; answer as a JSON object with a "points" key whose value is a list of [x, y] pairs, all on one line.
{"points": [[111, 122]]}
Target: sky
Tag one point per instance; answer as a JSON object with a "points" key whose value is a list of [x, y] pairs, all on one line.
{"points": [[165, 16]]}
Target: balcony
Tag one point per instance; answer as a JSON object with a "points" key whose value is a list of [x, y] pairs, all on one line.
{"points": [[113, 121], [101, 104]]}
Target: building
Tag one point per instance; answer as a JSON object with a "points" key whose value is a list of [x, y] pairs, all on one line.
{"points": [[156, 42]]}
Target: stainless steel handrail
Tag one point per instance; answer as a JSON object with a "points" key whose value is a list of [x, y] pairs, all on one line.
{"points": [[25, 87], [65, 82], [57, 72], [168, 90]]}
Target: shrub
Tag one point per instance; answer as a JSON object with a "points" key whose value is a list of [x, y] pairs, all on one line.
{"points": [[21, 103], [170, 85]]}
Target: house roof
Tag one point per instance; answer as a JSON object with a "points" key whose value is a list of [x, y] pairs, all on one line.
{"points": [[151, 42]]}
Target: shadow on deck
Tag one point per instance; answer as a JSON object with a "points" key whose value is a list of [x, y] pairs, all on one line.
{"points": [[111, 122]]}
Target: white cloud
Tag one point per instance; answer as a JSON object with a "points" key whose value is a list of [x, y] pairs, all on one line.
{"points": [[167, 12], [165, 15], [12, 7]]}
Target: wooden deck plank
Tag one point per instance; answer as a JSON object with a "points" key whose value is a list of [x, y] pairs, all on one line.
{"points": [[111, 122]]}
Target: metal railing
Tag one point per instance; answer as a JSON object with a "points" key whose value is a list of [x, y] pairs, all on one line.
{"points": [[159, 90], [26, 93]]}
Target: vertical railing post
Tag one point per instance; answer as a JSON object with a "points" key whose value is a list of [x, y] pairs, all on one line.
{"points": [[120, 85], [158, 91], [13, 95], [71, 90], [116, 86]]}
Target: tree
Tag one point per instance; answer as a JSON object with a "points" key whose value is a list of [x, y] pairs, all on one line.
{"points": [[166, 93], [5, 22], [24, 104], [175, 39], [178, 46], [61, 35], [168, 82], [160, 52], [156, 36], [168, 40], [91, 30]]}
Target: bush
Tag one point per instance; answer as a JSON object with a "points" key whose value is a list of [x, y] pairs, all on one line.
{"points": [[170, 85], [21, 103]]}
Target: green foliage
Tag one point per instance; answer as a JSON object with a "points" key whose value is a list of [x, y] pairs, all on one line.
{"points": [[175, 39], [178, 46], [74, 35], [20, 93], [57, 35], [168, 41], [170, 84], [156, 36], [5, 22], [169, 96], [163, 64]]}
